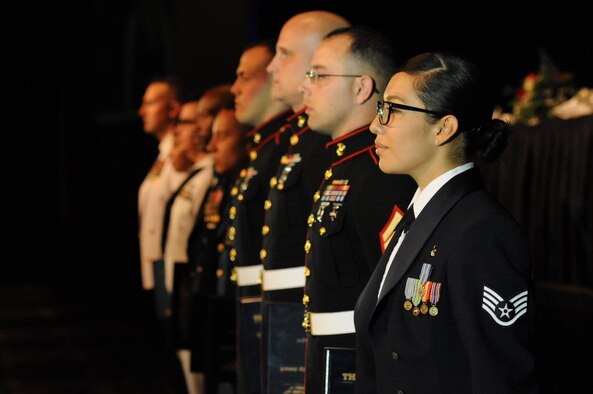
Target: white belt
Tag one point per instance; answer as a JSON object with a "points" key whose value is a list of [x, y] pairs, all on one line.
{"points": [[249, 275], [284, 278], [332, 323]]}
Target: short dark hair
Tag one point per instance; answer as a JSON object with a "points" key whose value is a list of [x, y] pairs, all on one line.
{"points": [[268, 43], [373, 48], [223, 98], [175, 85], [450, 84]]}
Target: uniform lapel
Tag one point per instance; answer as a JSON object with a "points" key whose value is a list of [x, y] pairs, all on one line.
{"points": [[425, 224]]}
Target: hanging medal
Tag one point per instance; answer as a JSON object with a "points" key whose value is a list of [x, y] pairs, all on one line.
{"points": [[435, 294], [409, 292]]}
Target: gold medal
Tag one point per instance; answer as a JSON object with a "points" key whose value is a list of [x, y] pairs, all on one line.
{"points": [[433, 311], [423, 308], [407, 305], [416, 311]]}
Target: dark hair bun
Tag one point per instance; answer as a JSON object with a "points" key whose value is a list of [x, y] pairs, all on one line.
{"points": [[491, 139]]}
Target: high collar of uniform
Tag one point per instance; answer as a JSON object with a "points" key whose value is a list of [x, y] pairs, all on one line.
{"points": [[267, 129], [353, 143]]}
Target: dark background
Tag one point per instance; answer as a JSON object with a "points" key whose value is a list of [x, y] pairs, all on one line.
{"points": [[85, 82], [80, 75]]}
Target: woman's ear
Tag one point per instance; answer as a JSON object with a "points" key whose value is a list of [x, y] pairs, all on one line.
{"points": [[446, 129], [364, 89]]}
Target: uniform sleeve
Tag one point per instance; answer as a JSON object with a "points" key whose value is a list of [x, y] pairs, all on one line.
{"points": [[492, 302]]}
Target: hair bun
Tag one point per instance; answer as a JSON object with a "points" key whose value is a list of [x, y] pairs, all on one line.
{"points": [[491, 138]]}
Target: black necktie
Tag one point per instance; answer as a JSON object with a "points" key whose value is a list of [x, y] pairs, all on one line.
{"points": [[408, 218]]}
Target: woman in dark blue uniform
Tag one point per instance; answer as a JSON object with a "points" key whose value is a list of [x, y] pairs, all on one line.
{"points": [[448, 308]]}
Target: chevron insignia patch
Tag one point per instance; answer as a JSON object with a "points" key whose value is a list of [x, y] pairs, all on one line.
{"points": [[504, 312]]}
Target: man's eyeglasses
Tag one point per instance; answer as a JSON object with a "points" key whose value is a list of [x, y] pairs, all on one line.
{"points": [[385, 108], [185, 121], [315, 77]]}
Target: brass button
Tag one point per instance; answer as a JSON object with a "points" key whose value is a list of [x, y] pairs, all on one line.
{"points": [[340, 150], [234, 191], [294, 140], [234, 275], [243, 173], [280, 186], [311, 220], [220, 247], [301, 121], [322, 231], [232, 212], [257, 138], [316, 196], [240, 197], [307, 272], [305, 300], [262, 254], [328, 174], [307, 246], [219, 273], [273, 182], [267, 205], [265, 229], [233, 254], [253, 155]]}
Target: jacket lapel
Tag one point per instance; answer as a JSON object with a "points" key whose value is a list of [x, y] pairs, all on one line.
{"points": [[425, 223]]}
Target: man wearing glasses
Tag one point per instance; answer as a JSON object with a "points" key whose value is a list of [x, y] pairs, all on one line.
{"points": [[349, 226]]}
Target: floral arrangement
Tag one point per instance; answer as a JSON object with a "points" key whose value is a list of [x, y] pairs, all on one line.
{"points": [[541, 91]]}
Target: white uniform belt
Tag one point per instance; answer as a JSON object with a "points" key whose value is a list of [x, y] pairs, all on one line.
{"points": [[332, 323], [249, 275], [284, 278]]}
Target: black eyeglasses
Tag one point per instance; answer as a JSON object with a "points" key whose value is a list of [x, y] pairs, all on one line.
{"points": [[384, 116]]}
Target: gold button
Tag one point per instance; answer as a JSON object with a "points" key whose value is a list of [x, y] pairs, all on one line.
{"points": [[316, 196], [283, 129], [305, 300], [328, 174], [307, 322], [240, 197], [232, 212], [234, 191], [234, 275], [307, 246], [257, 138], [273, 182], [294, 140], [307, 272], [311, 220], [322, 231], [219, 273], [253, 155], [265, 230], [220, 247], [232, 233], [233, 254], [284, 159], [340, 150], [243, 173], [267, 205], [262, 254], [301, 121], [280, 186]]}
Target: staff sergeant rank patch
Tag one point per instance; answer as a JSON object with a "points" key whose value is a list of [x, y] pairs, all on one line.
{"points": [[504, 312]]}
